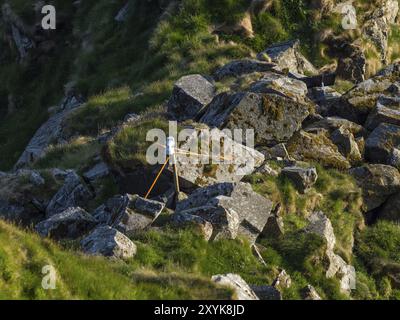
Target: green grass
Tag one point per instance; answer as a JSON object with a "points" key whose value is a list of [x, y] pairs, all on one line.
{"points": [[23, 255], [75, 155]]}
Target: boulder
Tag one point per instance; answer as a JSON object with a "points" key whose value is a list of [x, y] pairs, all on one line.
{"points": [[273, 118], [377, 182], [190, 94], [281, 85], [25, 194], [50, 132], [309, 293], [322, 226], [224, 160], [129, 213], [387, 110], [287, 55], [98, 171], [108, 242], [381, 143], [73, 193], [229, 200], [277, 152], [303, 178], [332, 124], [352, 68], [242, 290], [183, 220], [307, 146], [69, 224], [346, 144], [378, 26], [224, 221], [267, 292], [242, 67]]}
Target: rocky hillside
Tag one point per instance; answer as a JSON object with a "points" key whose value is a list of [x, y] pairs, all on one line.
{"points": [[316, 218]]}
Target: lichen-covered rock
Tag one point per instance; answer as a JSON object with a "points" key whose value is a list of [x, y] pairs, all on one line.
{"points": [[74, 193], [242, 290], [273, 118], [307, 146], [191, 93], [377, 182], [387, 110], [380, 145], [282, 85], [108, 242], [183, 220], [287, 55], [378, 26], [303, 178], [322, 226], [129, 213], [346, 144], [69, 224], [224, 220], [252, 209], [334, 123], [241, 67]]}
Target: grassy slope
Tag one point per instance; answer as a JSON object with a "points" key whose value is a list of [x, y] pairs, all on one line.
{"points": [[23, 255]]}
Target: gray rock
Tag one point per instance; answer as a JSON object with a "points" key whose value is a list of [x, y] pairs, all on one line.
{"points": [[253, 210], [303, 178], [390, 70], [73, 193], [334, 123], [224, 221], [242, 290], [183, 220], [322, 226], [267, 292], [346, 144], [241, 67], [191, 93], [129, 213], [380, 144], [277, 152], [287, 55], [387, 110], [100, 170], [307, 146], [377, 182], [70, 224], [378, 26], [274, 228], [282, 85], [309, 293], [353, 67], [108, 242], [49, 133], [273, 118]]}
